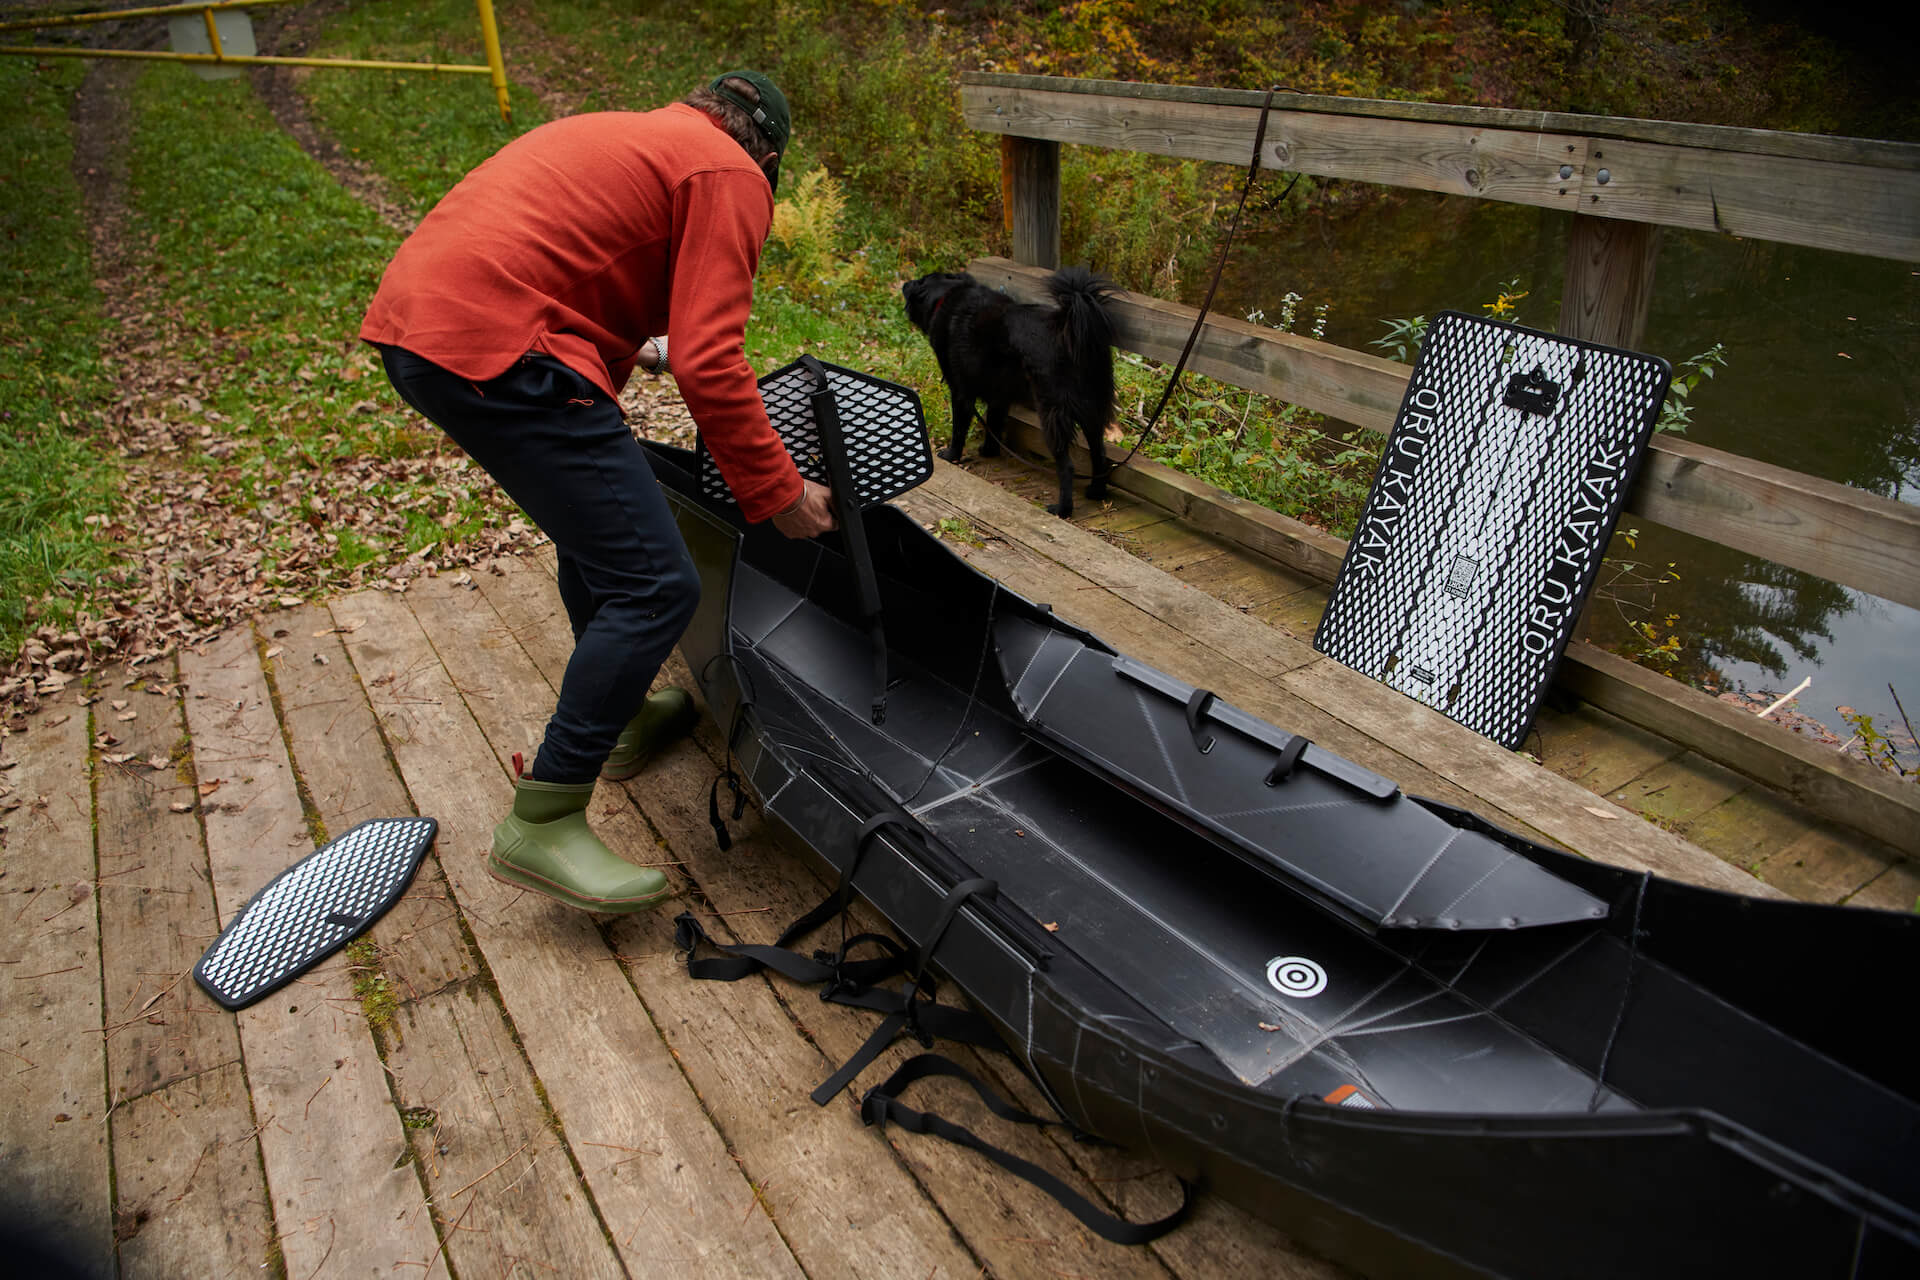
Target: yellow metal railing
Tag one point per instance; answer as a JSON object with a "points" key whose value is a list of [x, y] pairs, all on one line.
{"points": [[495, 67]]}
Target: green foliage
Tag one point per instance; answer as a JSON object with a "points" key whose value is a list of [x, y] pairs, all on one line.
{"points": [[1676, 415], [1254, 447], [51, 381], [1876, 747], [1403, 338], [805, 257]]}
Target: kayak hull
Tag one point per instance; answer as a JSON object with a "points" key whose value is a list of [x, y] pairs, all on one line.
{"points": [[1587, 1072]]}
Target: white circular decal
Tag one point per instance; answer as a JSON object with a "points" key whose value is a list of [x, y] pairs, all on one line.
{"points": [[1296, 976]]}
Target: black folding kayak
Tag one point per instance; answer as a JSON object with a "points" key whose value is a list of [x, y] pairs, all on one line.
{"points": [[1416, 1042]]}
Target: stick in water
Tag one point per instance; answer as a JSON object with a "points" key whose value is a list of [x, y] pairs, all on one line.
{"points": [[1787, 697]]}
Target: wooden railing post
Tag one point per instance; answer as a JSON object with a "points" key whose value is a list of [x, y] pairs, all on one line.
{"points": [[1031, 171], [1609, 287], [1609, 280]]}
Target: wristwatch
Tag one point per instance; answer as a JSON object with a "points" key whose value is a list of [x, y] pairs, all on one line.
{"points": [[660, 365]]}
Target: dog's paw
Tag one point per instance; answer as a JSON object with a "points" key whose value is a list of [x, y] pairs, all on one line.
{"points": [[1062, 509], [952, 453]]}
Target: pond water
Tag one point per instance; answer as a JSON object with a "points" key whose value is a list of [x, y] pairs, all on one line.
{"points": [[1822, 376]]}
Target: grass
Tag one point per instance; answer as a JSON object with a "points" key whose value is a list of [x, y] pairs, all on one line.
{"points": [[51, 380], [264, 267]]}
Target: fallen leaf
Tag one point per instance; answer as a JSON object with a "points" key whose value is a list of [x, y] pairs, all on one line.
{"points": [[211, 785], [1609, 814], [181, 806], [125, 716], [1052, 927], [276, 651], [157, 763], [1267, 1026], [117, 759], [118, 704]]}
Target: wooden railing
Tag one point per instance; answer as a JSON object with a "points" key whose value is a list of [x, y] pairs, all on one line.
{"points": [[1619, 181]]}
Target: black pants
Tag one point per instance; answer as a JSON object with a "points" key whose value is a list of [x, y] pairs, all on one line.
{"points": [[560, 449]]}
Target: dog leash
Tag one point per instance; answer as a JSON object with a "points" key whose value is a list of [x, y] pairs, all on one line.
{"points": [[1206, 304]]}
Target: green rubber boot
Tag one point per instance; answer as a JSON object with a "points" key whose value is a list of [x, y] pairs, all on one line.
{"points": [[666, 717], [545, 845]]}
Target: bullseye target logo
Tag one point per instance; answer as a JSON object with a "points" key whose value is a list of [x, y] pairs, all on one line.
{"points": [[1296, 976]]}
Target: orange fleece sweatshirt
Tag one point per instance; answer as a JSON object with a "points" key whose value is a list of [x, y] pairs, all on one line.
{"points": [[582, 238]]}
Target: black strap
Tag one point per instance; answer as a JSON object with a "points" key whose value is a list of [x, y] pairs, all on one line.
{"points": [[943, 917], [882, 1106], [911, 1008], [916, 1011], [721, 836], [1289, 757], [727, 774], [1197, 704], [833, 968], [853, 528]]}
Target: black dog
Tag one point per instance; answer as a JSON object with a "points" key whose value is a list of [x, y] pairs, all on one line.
{"points": [[1058, 359]]}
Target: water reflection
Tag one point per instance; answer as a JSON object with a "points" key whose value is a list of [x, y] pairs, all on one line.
{"points": [[1821, 377]]}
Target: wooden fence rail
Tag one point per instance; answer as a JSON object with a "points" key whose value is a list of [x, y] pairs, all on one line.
{"points": [[1852, 194]]}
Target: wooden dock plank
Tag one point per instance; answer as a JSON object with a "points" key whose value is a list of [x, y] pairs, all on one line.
{"points": [[156, 907], [1895, 889], [1749, 826], [600, 1060], [53, 1086], [189, 1196], [1242, 583], [1296, 613], [756, 888], [1128, 577], [466, 1095], [1600, 752], [344, 1199], [342, 759], [508, 1198], [1677, 792], [1820, 868], [1177, 548]]}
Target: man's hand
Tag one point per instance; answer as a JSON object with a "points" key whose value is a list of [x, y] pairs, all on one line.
{"points": [[813, 514]]}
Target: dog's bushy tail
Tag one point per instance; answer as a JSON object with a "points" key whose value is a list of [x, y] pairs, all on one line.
{"points": [[1083, 322]]}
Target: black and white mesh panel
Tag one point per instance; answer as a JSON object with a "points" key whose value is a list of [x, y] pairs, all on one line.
{"points": [[313, 908], [886, 433], [1496, 495]]}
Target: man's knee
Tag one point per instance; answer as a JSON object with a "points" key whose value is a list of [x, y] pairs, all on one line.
{"points": [[679, 594]]}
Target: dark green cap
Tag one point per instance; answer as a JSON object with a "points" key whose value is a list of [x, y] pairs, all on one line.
{"points": [[770, 113]]}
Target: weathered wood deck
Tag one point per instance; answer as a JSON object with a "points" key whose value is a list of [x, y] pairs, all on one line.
{"points": [[492, 1085]]}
